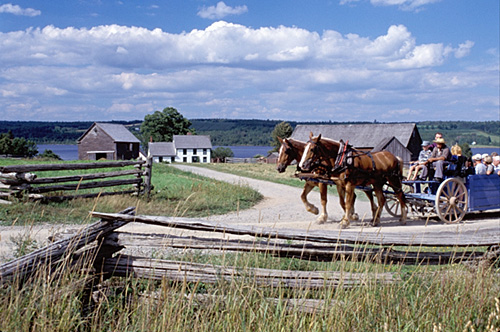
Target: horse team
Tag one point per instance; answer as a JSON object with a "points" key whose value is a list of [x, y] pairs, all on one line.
{"points": [[330, 161]]}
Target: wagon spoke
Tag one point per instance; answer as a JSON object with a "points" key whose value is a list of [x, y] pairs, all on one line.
{"points": [[451, 200]]}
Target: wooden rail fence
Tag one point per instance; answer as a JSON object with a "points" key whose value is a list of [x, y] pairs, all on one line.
{"points": [[24, 181], [103, 243]]}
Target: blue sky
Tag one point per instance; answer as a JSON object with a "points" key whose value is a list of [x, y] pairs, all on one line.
{"points": [[339, 60]]}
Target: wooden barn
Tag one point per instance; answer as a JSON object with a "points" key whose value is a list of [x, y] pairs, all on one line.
{"points": [[108, 141], [402, 139]]}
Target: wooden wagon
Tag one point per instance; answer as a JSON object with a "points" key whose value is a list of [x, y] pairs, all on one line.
{"points": [[451, 199]]}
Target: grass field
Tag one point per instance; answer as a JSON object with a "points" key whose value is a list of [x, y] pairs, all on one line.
{"points": [[176, 193]]}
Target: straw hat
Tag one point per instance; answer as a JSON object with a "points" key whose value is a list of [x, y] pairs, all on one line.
{"points": [[440, 140]]}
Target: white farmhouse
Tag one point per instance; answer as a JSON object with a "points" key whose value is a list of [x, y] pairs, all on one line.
{"points": [[183, 149]]}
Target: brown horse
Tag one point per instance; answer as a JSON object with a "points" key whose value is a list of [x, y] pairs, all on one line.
{"points": [[357, 168], [291, 150]]}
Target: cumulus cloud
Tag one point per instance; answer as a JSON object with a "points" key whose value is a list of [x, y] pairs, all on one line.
{"points": [[16, 10], [225, 70], [221, 43], [221, 10]]}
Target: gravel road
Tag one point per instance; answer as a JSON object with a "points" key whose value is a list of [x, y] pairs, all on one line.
{"points": [[281, 207]]}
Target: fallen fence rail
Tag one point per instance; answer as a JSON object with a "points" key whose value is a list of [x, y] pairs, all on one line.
{"points": [[103, 244], [22, 181], [484, 236]]}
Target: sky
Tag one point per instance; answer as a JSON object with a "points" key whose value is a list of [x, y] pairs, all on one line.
{"points": [[290, 60]]}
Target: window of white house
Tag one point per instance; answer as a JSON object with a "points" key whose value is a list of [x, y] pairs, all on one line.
{"points": [[204, 151], [194, 151], [185, 151]]}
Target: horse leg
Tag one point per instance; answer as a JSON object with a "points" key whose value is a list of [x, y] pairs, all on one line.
{"points": [[396, 184], [323, 189], [349, 189], [308, 186], [374, 207], [341, 191], [381, 202]]}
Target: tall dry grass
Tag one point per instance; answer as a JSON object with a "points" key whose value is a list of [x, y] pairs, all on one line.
{"points": [[453, 299]]}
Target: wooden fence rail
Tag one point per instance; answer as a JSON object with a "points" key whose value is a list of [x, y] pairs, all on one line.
{"points": [[102, 242], [21, 180]]}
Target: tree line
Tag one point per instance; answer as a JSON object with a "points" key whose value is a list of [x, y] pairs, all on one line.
{"points": [[227, 132]]}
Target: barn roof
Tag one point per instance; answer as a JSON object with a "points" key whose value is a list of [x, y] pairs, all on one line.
{"points": [[162, 149], [192, 142], [359, 135], [117, 132]]}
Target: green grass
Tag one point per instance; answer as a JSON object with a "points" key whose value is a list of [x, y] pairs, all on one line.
{"points": [[266, 172], [176, 193]]}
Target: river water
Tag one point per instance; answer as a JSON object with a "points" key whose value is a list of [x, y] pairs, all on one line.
{"points": [[70, 151]]}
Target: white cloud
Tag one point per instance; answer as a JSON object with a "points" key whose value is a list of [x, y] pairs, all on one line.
{"points": [[407, 5], [221, 10], [16, 10], [230, 70], [464, 49]]}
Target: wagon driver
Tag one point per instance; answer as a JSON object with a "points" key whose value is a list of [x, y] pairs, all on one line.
{"points": [[439, 158]]}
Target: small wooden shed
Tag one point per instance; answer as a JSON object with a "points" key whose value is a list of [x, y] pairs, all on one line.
{"points": [[108, 141]]}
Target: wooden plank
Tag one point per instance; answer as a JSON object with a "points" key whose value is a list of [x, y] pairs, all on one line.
{"points": [[85, 177], [51, 255], [482, 236], [306, 251], [128, 266], [67, 166]]}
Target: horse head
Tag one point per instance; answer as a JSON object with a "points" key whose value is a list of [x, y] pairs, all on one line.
{"points": [[319, 151], [288, 152]]}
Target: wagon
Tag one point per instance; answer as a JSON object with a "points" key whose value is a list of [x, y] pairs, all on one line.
{"points": [[451, 199]]}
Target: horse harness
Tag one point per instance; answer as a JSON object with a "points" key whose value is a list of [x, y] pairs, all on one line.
{"points": [[345, 158]]}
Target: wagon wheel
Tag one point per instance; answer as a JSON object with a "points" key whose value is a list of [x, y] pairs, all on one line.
{"points": [[392, 205], [451, 201]]}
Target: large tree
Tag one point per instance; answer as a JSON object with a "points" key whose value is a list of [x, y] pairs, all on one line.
{"points": [[281, 130], [162, 126]]}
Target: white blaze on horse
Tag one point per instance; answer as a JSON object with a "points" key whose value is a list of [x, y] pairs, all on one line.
{"points": [[291, 150], [357, 168]]}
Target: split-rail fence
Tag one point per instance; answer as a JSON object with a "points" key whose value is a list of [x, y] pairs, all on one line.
{"points": [[120, 177], [104, 243]]}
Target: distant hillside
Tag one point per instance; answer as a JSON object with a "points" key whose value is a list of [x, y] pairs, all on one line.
{"points": [[227, 132]]}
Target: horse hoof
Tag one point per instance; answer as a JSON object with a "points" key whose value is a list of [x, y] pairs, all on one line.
{"points": [[320, 222], [355, 217], [322, 219], [313, 210]]}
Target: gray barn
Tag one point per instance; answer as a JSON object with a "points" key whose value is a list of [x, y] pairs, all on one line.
{"points": [[108, 141], [402, 139]]}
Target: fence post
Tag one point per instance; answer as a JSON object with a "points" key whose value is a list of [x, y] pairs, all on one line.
{"points": [[147, 176]]}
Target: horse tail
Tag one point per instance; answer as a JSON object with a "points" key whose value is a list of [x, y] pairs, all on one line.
{"points": [[400, 168]]}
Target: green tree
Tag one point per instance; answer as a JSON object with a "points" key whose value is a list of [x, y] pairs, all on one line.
{"points": [[162, 126], [49, 154], [281, 130], [6, 143], [466, 151], [222, 153]]}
